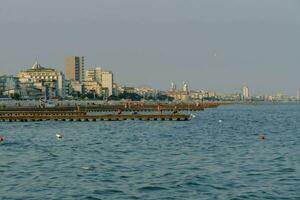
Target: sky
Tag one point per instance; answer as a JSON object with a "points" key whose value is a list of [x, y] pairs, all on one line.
{"points": [[211, 44]]}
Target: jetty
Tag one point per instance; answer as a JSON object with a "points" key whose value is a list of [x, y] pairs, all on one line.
{"points": [[125, 106], [87, 118], [111, 112]]}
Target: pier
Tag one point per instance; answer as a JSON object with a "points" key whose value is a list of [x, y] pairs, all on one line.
{"points": [[87, 118], [126, 106], [40, 113], [111, 112]]}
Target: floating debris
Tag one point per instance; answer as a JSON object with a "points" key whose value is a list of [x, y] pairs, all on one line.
{"points": [[87, 167], [59, 136], [262, 137]]}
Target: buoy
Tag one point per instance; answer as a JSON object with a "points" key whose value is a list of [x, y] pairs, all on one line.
{"points": [[220, 121], [59, 136], [1, 139]]}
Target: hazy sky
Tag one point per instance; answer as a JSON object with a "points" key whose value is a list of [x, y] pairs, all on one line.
{"points": [[218, 45]]}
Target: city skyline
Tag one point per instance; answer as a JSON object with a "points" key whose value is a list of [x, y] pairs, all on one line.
{"points": [[166, 87], [209, 44]]}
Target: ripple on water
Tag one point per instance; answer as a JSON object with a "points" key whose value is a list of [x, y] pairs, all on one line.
{"points": [[151, 188]]}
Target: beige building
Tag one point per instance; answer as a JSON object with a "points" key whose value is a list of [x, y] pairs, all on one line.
{"points": [[47, 80], [245, 92], [90, 75], [94, 75], [76, 87], [107, 81], [179, 95], [92, 87], [74, 68]]}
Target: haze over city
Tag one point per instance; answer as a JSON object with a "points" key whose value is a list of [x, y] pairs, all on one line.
{"points": [[215, 45]]}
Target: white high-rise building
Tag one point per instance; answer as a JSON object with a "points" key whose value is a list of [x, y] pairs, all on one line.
{"points": [[185, 87], [107, 81], [245, 92], [173, 86], [298, 95]]}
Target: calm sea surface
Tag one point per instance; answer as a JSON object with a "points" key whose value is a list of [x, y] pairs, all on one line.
{"points": [[198, 159]]}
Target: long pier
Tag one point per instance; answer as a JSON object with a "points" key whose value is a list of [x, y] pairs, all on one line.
{"points": [[109, 117], [130, 107], [41, 113], [84, 112]]}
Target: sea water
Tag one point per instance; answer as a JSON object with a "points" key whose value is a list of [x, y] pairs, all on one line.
{"points": [[217, 155]]}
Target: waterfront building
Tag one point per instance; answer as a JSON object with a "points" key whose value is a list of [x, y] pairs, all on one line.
{"points": [[116, 89], [230, 97], [103, 77], [185, 87], [94, 74], [173, 86], [298, 95], [107, 81], [74, 68], [90, 75], [128, 89], [47, 81], [75, 88], [28, 89], [183, 95], [98, 74], [245, 93], [199, 94], [179, 95], [147, 92], [92, 87], [9, 85]]}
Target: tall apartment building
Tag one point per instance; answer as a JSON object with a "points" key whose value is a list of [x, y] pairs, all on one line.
{"points": [[245, 92], [107, 81], [74, 68]]}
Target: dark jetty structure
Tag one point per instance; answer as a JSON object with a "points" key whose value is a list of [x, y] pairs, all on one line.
{"points": [[164, 112]]}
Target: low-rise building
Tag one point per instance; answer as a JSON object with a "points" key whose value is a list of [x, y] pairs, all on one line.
{"points": [[9, 85], [92, 87], [179, 95], [48, 81]]}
